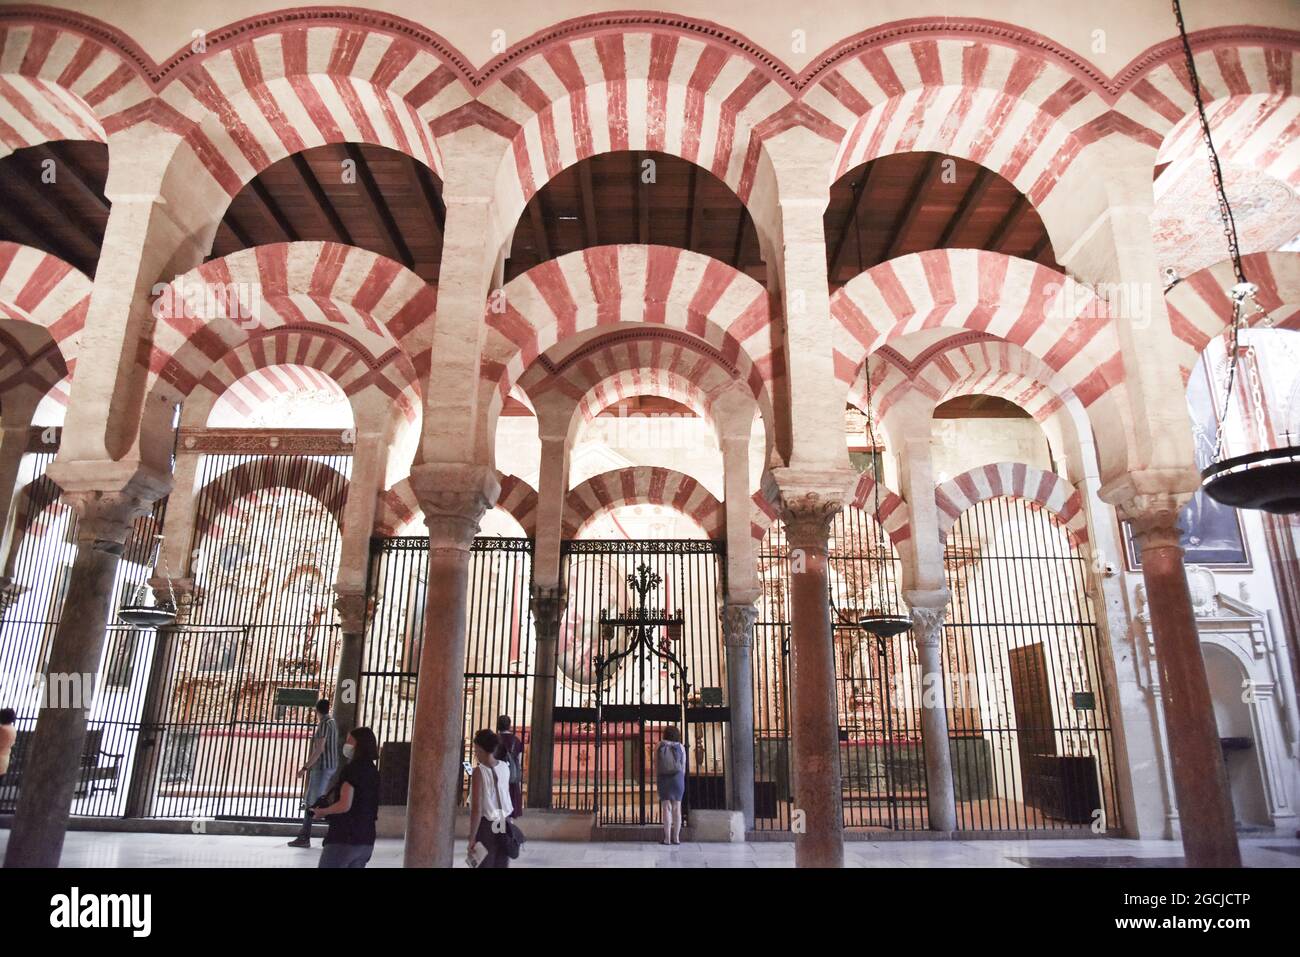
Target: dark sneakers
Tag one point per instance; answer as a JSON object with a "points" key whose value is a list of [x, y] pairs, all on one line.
{"points": [[300, 842]]}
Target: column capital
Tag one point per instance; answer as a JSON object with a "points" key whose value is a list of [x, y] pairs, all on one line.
{"points": [[809, 501], [105, 516], [1152, 515], [738, 623], [355, 609], [547, 603], [927, 623], [454, 497]]}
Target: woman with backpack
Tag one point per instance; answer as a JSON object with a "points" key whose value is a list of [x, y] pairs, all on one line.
{"points": [[670, 763], [510, 750]]}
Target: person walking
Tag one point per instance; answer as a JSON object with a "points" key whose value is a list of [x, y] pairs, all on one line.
{"points": [[511, 752], [489, 802], [352, 815], [670, 763], [322, 762]]}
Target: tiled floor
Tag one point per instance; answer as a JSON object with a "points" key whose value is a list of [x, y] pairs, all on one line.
{"points": [[99, 849]]}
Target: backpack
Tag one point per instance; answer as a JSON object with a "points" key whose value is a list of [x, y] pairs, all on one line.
{"points": [[670, 761], [511, 757]]}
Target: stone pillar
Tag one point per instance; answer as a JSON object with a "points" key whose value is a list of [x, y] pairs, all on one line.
{"points": [[1200, 780], [554, 419], [176, 554], [454, 498], [809, 503], [54, 759], [738, 633], [927, 632], [14, 440], [548, 605], [354, 613]]}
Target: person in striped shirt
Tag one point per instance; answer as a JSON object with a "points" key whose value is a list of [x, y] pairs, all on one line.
{"points": [[322, 762]]}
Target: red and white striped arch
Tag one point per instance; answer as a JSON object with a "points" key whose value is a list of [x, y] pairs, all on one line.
{"points": [[399, 508], [968, 364], [1010, 108], [638, 485], [301, 302], [222, 497], [617, 87], [246, 392], [1043, 311], [1259, 131], [608, 285], [1013, 480], [256, 96], [43, 289], [1200, 309], [1157, 94], [58, 83]]}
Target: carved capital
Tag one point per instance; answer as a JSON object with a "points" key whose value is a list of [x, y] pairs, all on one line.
{"points": [[809, 502], [738, 624], [355, 609], [548, 604], [454, 497], [927, 624], [1153, 518], [104, 518]]}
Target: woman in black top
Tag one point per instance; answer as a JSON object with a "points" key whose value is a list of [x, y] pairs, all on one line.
{"points": [[351, 837]]}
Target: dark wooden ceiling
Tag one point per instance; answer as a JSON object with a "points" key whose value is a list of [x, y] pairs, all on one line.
{"points": [[52, 198], [384, 201]]}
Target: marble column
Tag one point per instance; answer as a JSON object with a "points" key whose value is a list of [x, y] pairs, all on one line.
{"points": [[927, 632], [1200, 780], [14, 441], [353, 609], [54, 758], [738, 632], [548, 606], [454, 498], [808, 508]]}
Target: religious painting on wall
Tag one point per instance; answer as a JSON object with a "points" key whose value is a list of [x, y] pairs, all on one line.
{"points": [[1211, 531]]}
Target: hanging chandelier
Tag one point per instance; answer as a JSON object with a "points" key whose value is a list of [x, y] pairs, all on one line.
{"points": [[139, 615], [878, 621], [1268, 480]]}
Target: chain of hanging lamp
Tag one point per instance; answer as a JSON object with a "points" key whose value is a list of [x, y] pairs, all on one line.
{"points": [[1244, 288]]}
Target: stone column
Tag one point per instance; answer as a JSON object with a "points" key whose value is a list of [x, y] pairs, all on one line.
{"points": [[555, 420], [54, 759], [1200, 780], [454, 498], [927, 632], [14, 441], [738, 633], [354, 613], [809, 503], [548, 604]]}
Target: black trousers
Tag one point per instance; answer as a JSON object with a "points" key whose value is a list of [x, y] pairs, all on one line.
{"points": [[495, 844]]}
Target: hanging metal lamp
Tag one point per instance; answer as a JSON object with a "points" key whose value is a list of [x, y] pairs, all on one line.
{"points": [[877, 621], [1267, 480], [139, 615]]}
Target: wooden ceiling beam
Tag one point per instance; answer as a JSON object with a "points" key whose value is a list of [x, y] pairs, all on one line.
{"points": [[1008, 222], [642, 214], [79, 177], [82, 251], [432, 198], [1043, 245], [590, 227], [907, 215], [378, 207], [264, 198], [241, 235], [695, 210], [861, 190], [969, 204], [537, 223], [318, 194]]}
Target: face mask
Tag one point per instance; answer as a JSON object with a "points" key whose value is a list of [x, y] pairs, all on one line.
{"points": [[348, 749]]}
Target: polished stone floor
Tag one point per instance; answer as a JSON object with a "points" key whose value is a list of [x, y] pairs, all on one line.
{"points": [[100, 849]]}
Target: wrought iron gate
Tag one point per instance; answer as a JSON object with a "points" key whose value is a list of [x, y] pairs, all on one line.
{"points": [[878, 687], [498, 647], [40, 561], [608, 765], [1028, 716]]}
